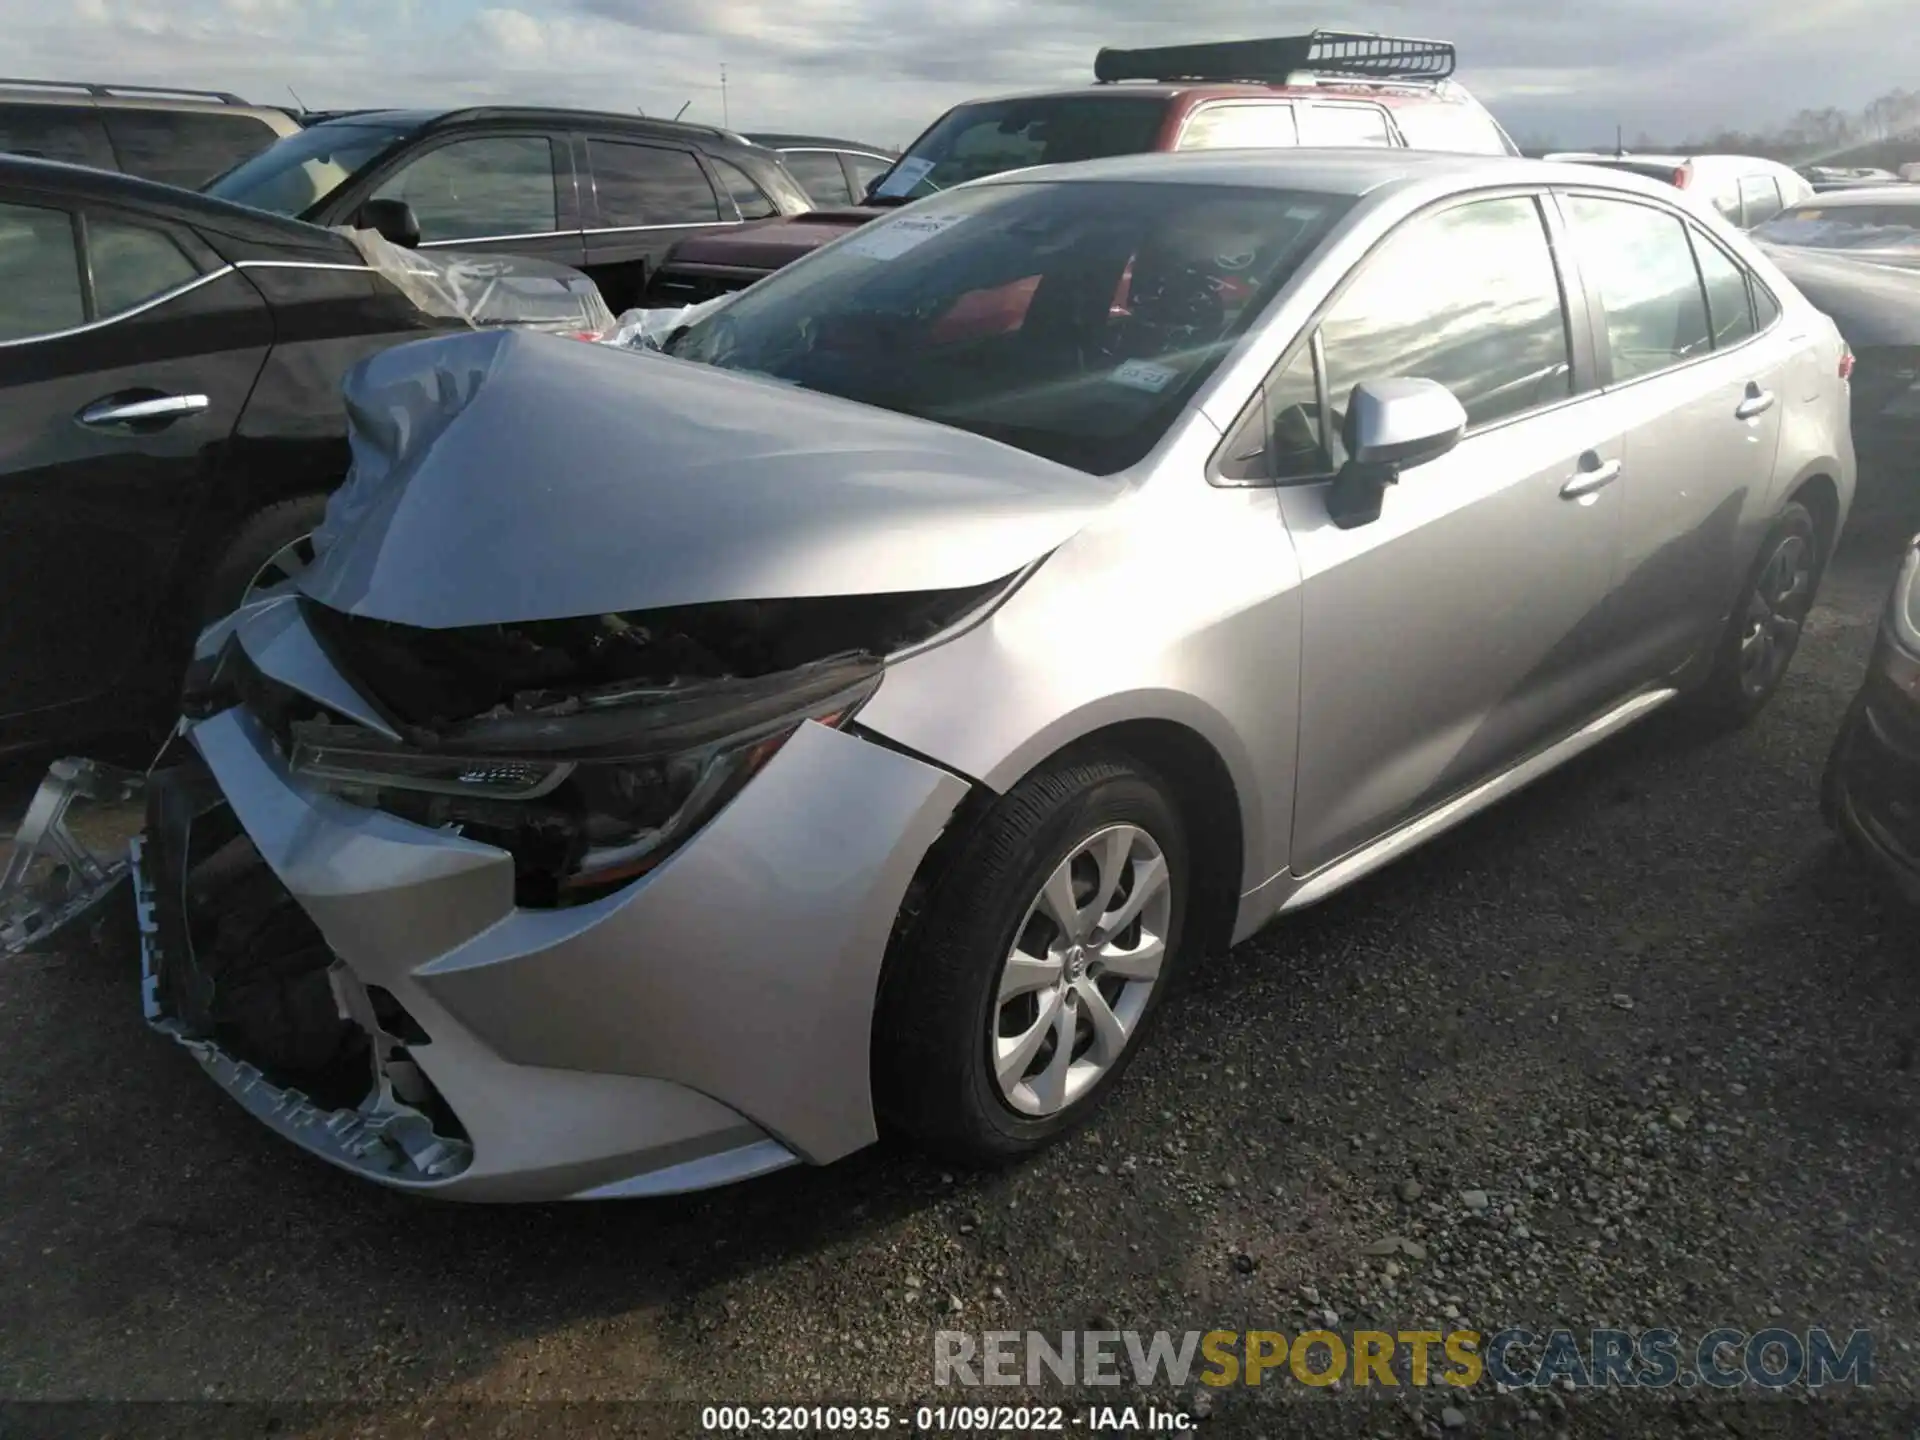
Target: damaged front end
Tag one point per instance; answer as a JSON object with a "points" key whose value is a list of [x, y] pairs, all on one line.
{"points": [[236, 971]]}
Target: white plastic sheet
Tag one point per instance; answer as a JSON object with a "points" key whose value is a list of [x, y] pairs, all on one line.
{"points": [[488, 291], [649, 329]]}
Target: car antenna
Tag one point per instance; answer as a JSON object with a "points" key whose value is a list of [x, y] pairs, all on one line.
{"points": [[1619, 142], [682, 110], [296, 98]]}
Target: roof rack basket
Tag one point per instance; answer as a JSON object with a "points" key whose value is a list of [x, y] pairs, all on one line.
{"points": [[109, 92], [1323, 52]]}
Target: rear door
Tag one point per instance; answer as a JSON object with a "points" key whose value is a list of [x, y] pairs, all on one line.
{"points": [[1700, 394], [501, 193], [640, 197], [1239, 125], [1458, 632], [127, 351]]}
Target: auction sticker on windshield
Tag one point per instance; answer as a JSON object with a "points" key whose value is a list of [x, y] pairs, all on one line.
{"points": [[906, 175], [1143, 375], [891, 239]]}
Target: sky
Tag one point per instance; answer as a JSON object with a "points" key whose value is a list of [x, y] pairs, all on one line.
{"points": [[881, 70]]}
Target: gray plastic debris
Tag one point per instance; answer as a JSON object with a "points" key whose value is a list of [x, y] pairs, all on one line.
{"points": [[52, 877], [490, 290]]}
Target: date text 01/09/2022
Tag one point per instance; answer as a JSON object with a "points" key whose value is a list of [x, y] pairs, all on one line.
{"points": [[936, 1419]]}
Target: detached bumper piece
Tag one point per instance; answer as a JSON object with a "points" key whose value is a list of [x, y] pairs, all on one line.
{"points": [[231, 967], [1871, 793], [53, 878]]}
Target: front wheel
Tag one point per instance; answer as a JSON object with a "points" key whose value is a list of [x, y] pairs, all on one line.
{"points": [[1037, 964], [273, 544], [1764, 629]]}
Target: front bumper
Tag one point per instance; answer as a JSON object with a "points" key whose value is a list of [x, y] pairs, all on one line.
{"points": [[1871, 790], [709, 1022]]}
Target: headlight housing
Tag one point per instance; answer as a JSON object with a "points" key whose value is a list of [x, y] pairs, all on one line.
{"points": [[593, 792]]}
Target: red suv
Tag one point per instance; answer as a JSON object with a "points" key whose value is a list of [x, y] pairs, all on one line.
{"points": [[1329, 88]]}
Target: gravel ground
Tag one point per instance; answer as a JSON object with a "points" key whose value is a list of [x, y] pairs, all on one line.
{"points": [[1636, 1049]]}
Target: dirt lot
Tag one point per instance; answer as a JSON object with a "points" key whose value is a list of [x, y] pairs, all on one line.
{"points": [[1648, 1008]]}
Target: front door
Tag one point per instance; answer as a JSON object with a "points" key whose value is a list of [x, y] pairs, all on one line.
{"points": [[1701, 395], [501, 194], [126, 356], [639, 199], [1457, 633]]}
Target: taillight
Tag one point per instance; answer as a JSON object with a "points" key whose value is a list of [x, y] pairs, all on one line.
{"points": [[1682, 177], [1846, 362]]}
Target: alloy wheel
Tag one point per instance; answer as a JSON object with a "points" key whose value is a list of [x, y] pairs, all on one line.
{"points": [[286, 563], [1083, 966], [1776, 610]]}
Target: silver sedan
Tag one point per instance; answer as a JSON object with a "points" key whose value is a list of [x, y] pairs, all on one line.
{"points": [[674, 766]]}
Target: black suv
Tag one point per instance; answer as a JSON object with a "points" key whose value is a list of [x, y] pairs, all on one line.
{"points": [[170, 423], [605, 193]]}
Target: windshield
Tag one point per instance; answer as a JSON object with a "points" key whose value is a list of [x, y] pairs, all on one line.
{"points": [[972, 142], [297, 173], [1073, 320], [1894, 225]]}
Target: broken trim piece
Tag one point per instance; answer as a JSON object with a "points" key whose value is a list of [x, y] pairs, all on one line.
{"points": [[31, 912], [382, 1136]]}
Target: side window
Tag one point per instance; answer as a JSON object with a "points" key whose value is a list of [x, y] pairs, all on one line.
{"points": [[1762, 198], [1469, 297], [754, 202], [1766, 309], [1344, 125], [1639, 258], [72, 133], [642, 185], [820, 175], [492, 185], [1240, 127], [1725, 198], [184, 147], [132, 264], [39, 273], [866, 170], [1451, 125], [1293, 418], [1729, 306]]}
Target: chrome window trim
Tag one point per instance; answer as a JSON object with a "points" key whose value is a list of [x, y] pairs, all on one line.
{"points": [[491, 239], [666, 225], [114, 319]]}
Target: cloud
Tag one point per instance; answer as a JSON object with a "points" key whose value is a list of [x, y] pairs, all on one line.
{"points": [[882, 69]]}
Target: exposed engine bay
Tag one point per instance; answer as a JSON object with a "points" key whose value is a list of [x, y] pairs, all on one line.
{"points": [[588, 748]]}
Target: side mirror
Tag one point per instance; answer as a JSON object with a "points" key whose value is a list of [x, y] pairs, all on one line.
{"points": [[1390, 426], [393, 220]]}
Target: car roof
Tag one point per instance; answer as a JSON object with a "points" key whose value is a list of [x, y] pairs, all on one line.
{"points": [[82, 184], [1332, 171], [535, 114], [818, 142], [1325, 87], [1901, 192]]}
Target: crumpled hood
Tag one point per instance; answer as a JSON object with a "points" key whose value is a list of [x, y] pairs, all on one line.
{"points": [[503, 476], [1872, 304]]}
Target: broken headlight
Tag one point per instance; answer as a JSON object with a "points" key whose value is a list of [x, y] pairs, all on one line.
{"points": [[593, 791]]}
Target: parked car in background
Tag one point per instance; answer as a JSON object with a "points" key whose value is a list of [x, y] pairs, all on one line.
{"points": [[171, 419], [607, 194], [180, 137], [823, 708], [1326, 88], [1824, 178], [1745, 189], [1880, 224], [1871, 790], [833, 172]]}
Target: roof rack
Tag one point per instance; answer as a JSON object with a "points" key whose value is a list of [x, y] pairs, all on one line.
{"points": [[109, 92], [1323, 52]]}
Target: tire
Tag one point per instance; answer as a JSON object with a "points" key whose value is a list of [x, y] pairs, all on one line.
{"points": [[1776, 599], [260, 538], [940, 1007]]}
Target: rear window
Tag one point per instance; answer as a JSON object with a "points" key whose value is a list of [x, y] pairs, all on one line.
{"points": [[819, 172], [70, 133], [1451, 126], [974, 141], [1890, 226], [184, 147], [1074, 321]]}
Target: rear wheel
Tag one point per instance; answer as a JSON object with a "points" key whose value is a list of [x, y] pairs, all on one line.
{"points": [[273, 544], [1764, 629], [1040, 959]]}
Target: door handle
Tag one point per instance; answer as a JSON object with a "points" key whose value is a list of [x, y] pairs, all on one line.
{"points": [[163, 409], [1592, 476], [1758, 402]]}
